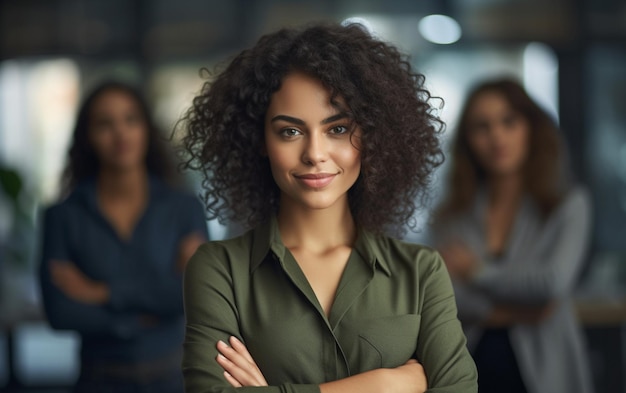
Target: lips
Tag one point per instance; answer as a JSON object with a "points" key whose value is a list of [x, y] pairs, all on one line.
{"points": [[316, 180]]}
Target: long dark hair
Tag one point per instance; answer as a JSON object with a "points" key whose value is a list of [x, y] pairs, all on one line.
{"points": [[544, 171], [82, 159]]}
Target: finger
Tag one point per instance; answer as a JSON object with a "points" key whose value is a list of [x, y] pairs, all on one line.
{"points": [[237, 374], [228, 366], [231, 380], [241, 349], [232, 356], [244, 371]]}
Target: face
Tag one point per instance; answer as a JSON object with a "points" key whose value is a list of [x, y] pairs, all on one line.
{"points": [[312, 155], [497, 135], [118, 131]]}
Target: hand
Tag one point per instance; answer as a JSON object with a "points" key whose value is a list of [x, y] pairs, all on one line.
{"points": [[508, 315], [407, 378], [76, 285], [534, 315], [410, 378], [239, 367], [460, 261]]}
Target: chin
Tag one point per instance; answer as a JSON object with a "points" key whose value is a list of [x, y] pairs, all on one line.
{"points": [[505, 170], [125, 166], [318, 205], [318, 202]]}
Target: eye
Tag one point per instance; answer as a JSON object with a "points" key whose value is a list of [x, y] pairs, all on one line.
{"points": [[479, 127], [512, 119], [338, 130], [290, 132], [101, 124]]}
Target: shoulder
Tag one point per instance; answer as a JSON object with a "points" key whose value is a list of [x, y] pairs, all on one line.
{"points": [[403, 256], [173, 194], [177, 201], [63, 207], [575, 199], [237, 245], [231, 254], [574, 207], [418, 267]]}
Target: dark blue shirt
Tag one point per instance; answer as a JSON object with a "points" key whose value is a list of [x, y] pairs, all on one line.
{"points": [[140, 272]]}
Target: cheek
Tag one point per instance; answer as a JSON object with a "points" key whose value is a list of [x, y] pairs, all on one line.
{"points": [[281, 158], [101, 142], [353, 160], [348, 156], [140, 137], [521, 141], [479, 145]]}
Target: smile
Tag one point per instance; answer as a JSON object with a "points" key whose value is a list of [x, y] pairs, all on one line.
{"points": [[316, 180]]}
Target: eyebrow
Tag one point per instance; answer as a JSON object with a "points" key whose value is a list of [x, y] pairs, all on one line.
{"points": [[301, 122]]}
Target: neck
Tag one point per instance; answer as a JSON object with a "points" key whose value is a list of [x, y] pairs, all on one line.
{"points": [[316, 229], [132, 182], [505, 188]]}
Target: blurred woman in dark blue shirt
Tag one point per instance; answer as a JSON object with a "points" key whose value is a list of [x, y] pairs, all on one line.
{"points": [[115, 248]]}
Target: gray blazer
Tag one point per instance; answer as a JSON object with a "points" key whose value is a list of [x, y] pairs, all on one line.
{"points": [[541, 264]]}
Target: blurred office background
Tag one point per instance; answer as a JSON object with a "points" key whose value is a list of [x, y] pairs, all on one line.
{"points": [[570, 55]]}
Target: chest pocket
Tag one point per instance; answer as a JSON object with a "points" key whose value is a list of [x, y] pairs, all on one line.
{"points": [[383, 342]]}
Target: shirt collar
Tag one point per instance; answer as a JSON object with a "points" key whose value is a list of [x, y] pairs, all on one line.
{"points": [[266, 238], [372, 250]]}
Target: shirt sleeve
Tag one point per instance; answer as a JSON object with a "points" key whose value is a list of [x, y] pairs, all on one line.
{"points": [[565, 242], [63, 312], [441, 347], [160, 296], [212, 315]]}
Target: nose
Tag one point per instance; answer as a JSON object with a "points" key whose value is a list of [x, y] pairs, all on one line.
{"points": [[498, 133], [315, 149]]}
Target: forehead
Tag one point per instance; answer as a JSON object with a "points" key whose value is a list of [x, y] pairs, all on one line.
{"points": [[489, 103], [114, 98], [302, 95]]}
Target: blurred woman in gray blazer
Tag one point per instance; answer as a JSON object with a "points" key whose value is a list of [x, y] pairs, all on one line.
{"points": [[514, 233]]}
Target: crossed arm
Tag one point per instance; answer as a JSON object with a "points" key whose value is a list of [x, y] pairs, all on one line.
{"points": [[241, 370], [67, 277], [522, 292], [462, 265], [216, 362], [73, 300]]}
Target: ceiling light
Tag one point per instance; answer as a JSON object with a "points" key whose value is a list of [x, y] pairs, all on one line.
{"points": [[440, 29]]}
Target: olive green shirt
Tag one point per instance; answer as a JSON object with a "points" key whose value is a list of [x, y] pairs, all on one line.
{"points": [[394, 302]]}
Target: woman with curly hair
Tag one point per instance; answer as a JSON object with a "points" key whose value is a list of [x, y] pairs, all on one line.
{"points": [[321, 139], [114, 249], [513, 233]]}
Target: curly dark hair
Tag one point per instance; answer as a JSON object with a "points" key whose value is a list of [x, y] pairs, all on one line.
{"points": [[546, 177], [82, 159], [400, 148]]}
